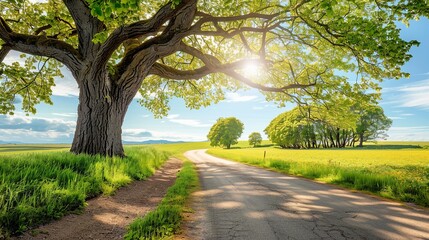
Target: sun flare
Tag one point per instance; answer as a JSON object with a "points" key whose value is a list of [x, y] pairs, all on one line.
{"points": [[251, 70]]}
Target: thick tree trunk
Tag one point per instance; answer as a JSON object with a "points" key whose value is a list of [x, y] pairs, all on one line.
{"points": [[101, 112]]}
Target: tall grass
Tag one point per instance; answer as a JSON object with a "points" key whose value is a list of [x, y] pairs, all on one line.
{"points": [[37, 188], [165, 219], [388, 173]]}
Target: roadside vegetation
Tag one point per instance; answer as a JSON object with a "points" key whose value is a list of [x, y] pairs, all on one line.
{"points": [[398, 171], [36, 188], [165, 220]]}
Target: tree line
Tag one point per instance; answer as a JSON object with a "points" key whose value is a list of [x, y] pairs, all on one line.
{"points": [[306, 127], [299, 128]]}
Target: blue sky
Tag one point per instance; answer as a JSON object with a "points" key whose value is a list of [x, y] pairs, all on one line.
{"points": [[405, 101]]}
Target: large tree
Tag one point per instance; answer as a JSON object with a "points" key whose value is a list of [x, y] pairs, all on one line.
{"points": [[372, 124], [225, 132], [192, 49]]}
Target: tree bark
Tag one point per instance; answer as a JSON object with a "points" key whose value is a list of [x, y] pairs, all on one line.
{"points": [[360, 140], [101, 111]]}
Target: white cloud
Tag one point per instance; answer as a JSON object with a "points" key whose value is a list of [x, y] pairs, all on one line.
{"points": [[137, 135], [396, 118], [415, 95], [35, 129], [36, 124], [174, 118], [67, 86], [417, 133], [235, 97], [68, 115]]}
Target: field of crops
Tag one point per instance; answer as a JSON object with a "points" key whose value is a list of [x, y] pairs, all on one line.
{"points": [[397, 170]]}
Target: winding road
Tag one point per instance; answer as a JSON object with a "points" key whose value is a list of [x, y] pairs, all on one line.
{"points": [[244, 202]]}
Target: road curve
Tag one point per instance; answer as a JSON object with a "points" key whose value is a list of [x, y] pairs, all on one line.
{"points": [[244, 202]]}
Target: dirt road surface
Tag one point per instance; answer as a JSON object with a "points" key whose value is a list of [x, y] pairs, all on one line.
{"points": [[106, 217], [243, 202]]}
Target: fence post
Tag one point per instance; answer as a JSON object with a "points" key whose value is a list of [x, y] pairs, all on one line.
{"points": [[265, 153]]}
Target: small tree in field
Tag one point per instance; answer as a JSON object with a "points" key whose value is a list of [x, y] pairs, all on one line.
{"points": [[372, 124], [225, 132], [255, 139]]}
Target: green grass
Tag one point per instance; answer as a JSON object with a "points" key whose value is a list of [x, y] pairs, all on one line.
{"points": [[7, 149], [177, 149], [39, 187], [396, 170], [165, 219]]}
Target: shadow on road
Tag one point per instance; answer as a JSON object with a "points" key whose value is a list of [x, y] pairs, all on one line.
{"points": [[245, 202]]}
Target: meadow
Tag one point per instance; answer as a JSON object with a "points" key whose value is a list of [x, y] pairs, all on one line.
{"points": [[396, 170], [36, 188], [40, 183], [31, 148]]}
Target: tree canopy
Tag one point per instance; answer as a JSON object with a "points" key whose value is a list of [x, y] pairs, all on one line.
{"points": [[372, 124], [311, 127], [255, 139], [195, 50], [225, 132]]}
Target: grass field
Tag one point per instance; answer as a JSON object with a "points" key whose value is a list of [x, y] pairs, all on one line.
{"points": [[38, 187], [41, 182], [397, 170], [31, 148]]}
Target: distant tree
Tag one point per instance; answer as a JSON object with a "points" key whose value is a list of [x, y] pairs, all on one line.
{"points": [[372, 124], [225, 132], [255, 139], [284, 130]]}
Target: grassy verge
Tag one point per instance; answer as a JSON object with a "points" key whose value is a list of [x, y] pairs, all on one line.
{"points": [[37, 188], [165, 220], [400, 174]]}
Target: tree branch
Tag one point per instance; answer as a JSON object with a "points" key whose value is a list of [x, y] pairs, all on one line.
{"points": [[41, 29], [40, 46], [87, 25], [4, 51], [163, 44], [165, 71], [213, 65], [250, 83], [133, 31]]}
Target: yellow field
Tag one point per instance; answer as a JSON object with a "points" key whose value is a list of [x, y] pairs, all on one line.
{"points": [[347, 157], [397, 170]]}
